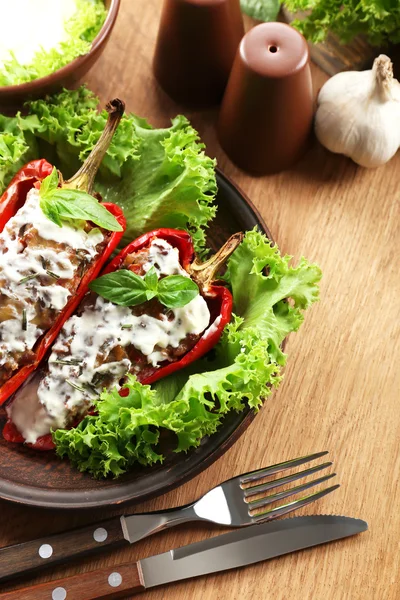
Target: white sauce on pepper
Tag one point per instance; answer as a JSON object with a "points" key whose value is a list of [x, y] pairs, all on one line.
{"points": [[18, 262], [100, 328]]}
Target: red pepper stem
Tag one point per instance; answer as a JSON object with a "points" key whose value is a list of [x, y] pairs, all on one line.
{"points": [[204, 273], [84, 178]]}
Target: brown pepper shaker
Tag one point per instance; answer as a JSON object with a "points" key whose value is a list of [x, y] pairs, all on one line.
{"points": [[196, 46], [267, 112]]}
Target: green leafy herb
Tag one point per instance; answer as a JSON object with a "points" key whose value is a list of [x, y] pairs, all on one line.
{"points": [[378, 20], [59, 204], [49, 184], [263, 10], [126, 288], [175, 291], [81, 30], [160, 177], [244, 367], [76, 204], [75, 386], [28, 278], [70, 362], [24, 320], [151, 279], [122, 287], [53, 275]]}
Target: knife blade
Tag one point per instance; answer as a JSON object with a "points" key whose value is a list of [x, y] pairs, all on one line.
{"points": [[244, 547], [229, 551]]}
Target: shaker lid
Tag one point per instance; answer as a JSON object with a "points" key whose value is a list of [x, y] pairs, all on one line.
{"points": [[274, 50]]}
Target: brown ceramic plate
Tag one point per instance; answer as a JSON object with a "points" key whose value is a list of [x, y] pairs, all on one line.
{"points": [[41, 479]]}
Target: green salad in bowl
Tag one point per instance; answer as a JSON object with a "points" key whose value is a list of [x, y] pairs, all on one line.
{"points": [[46, 45], [49, 35]]}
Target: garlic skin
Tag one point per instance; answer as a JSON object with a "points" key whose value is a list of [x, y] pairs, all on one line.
{"points": [[358, 114]]}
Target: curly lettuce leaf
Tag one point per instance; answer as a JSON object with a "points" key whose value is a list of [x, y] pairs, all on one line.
{"points": [[16, 149], [270, 297], [81, 30], [172, 184], [68, 125], [378, 20], [126, 430], [160, 177], [262, 282]]}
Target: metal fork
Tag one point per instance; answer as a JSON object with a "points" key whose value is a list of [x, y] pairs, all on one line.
{"points": [[234, 503]]}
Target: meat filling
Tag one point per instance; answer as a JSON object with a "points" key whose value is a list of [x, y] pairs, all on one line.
{"points": [[41, 266], [100, 345]]}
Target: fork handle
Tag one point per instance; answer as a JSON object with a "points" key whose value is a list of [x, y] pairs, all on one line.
{"points": [[58, 548], [61, 547], [110, 582]]}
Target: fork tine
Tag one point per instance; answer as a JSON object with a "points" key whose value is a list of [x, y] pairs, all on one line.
{"points": [[279, 511], [255, 504], [270, 485], [289, 464]]}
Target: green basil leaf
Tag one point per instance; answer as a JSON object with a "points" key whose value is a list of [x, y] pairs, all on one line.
{"points": [[175, 291], [49, 183], [151, 279], [76, 204], [50, 209], [122, 287]]}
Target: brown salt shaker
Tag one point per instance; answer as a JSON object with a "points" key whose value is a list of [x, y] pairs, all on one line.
{"points": [[196, 46], [267, 111]]}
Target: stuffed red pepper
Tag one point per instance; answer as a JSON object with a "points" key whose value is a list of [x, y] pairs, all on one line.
{"points": [[50, 250], [154, 310]]}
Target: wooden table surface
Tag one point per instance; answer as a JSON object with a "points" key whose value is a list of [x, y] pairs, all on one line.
{"points": [[341, 385]]}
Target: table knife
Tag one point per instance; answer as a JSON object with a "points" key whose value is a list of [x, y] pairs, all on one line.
{"points": [[229, 551]]}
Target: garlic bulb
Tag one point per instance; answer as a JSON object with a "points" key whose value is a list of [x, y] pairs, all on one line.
{"points": [[359, 114]]}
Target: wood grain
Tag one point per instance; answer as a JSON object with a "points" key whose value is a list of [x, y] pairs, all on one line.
{"points": [[342, 382]]}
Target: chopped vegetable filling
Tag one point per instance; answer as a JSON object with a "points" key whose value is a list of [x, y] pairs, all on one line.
{"points": [[41, 266], [99, 346]]}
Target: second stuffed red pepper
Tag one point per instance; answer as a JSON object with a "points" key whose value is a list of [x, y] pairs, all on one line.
{"points": [[154, 310]]}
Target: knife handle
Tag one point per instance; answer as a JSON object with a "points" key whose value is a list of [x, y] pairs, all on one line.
{"points": [[59, 548], [110, 582]]}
